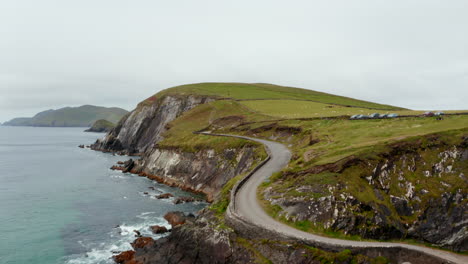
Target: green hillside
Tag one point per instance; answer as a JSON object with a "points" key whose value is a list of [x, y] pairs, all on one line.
{"points": [[101, 126], [83, 116], [326, 140], [255, 91]]}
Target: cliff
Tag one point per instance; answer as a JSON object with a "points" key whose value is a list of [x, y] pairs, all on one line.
{"points": [[409, 192], [141, 129], [203, 172], [160, 130]]}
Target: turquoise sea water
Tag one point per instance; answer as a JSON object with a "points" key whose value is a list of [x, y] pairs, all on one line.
{"points": [[62, 204]]}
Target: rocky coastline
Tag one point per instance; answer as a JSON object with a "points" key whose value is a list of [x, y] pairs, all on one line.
{"points": [[206, 171]]}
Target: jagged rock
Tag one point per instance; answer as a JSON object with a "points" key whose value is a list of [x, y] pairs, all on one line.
{"points": [[338, 210], [158, 229], [142, 242], [185, 199], [177, 218], [139, 130], [125, 257], [164, 196], [137, 233], [401, 206], [432, 224], [127, 166]]}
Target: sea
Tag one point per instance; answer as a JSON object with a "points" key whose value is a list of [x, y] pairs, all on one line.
{"points": [[62, 204]]}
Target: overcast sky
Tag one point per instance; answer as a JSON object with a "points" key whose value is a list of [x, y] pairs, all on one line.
{"points": [[56, 53]]}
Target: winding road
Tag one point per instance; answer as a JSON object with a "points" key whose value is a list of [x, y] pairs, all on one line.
{"points": [[247, 207]]}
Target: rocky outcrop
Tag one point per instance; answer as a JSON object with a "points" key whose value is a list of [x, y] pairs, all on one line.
{"points": [[125, 257], [164, 196], [156, 229], [410, 192], [202, 172], [206, 240], [141, 129], [177, 218]]}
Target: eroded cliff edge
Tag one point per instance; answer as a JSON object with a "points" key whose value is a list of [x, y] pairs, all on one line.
{"points": [[413, 190], [201, 170], [142, 128], [204, 170]]}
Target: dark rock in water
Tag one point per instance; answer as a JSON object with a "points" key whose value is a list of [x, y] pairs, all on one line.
{"points": [[199, 241], [124, 257], [177, 218], [158, 229], [120, 162], [151, 188], [185, 199], [137, 233], [145, 193], [127, 166], [164, 196], [142, 242], [81, 146]]}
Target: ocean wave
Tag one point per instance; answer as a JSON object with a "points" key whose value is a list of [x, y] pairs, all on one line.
{"points": [[119, 240]]}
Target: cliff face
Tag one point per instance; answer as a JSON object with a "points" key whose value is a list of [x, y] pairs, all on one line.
{"points": [[141, 129], [204, 171], [408, 193], [205, 240]]}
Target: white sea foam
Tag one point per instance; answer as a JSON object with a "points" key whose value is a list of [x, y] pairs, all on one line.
{"points": [[119, 240]]}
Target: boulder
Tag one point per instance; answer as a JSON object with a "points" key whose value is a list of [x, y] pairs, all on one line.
{"points": [[137, 233], [129, 164], [124, 257], [142, 242], [184, 199], [159, 229], [177, 218], [164, 196]]}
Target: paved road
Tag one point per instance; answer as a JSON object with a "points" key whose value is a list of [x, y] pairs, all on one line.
{"points": [[248, 208]]}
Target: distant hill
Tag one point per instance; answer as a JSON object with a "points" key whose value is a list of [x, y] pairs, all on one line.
{"points": [[82, 116]]}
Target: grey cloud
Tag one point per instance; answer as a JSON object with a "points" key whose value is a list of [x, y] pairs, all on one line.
{"points": [[114, 52]]}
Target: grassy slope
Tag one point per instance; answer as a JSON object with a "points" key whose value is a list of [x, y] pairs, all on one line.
{"points": [[245, 91], [339, 138], [333, 139], [181, 130], [309, 109], [102, 124]]}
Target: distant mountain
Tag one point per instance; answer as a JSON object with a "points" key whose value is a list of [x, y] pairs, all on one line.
{"points": [[83, 116]]}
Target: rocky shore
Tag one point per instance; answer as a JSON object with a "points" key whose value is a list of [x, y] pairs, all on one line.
{"points": [[208, 238]]}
